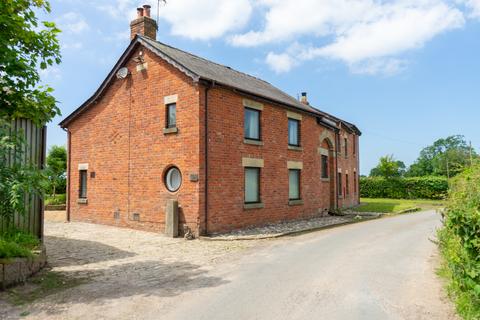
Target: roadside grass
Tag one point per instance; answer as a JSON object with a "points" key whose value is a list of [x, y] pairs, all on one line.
{"points": [[43, 284], [397, 205]]}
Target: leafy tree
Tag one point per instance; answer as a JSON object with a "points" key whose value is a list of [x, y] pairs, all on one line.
{"points": [[446, 157], [388, 168], [16, 177], [25, 47], [56, 169]]}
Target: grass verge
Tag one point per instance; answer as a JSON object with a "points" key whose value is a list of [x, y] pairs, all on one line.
{"points": [[17, 244], [396, 205], [41, 285]]}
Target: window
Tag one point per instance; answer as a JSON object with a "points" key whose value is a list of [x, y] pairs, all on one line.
{"points": [[354, 145], [345, 140], [252, 185], [324, 167], [354, 182], [82, 194], [171, 115], [252, 124], [293, 132], [347, 184], [173, 179], [339, 182], [338, 147], [293, 184]]}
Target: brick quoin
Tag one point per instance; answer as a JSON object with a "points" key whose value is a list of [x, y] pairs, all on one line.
{"points": [[120, 136]]}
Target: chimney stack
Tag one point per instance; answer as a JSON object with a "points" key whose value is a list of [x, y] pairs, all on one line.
{"points": [[143, 25], [304, 99]]}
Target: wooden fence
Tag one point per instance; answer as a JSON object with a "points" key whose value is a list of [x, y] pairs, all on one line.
{"points": [[34, 153]]}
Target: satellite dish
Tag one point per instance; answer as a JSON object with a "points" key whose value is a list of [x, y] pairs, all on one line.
{"points": [[122, 73]]}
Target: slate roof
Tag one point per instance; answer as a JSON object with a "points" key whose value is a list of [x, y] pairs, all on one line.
{"points": [[201, 69], [225, 75]]}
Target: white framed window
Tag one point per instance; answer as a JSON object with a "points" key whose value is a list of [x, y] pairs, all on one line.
{"points": [[294, 184], [293, 132], [173, 179], [252, 185], [252, 124], [171, 115], [82, 191]]}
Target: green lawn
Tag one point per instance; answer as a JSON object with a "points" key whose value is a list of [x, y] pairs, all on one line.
{"points": [[396, 205]]}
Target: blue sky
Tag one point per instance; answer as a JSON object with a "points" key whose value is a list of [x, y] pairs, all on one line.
{"points": [[406, 72]]}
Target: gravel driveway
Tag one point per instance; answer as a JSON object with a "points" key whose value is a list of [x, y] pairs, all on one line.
{"points": [[122, 271]]}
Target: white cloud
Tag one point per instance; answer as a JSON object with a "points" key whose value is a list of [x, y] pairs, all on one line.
{"points": [[386, 67], [50, 74], [205, 20], [279, 63], [72, 22], [366, 34], [193, 19], [474, 6]]}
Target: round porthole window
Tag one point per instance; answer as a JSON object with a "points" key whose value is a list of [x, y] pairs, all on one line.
{"points": [[173, 179]]}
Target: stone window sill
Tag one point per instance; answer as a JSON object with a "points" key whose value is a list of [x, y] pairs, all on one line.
{"points": [[325, 179], [82, 201], [248, 206], [253, 142], [173, 130], [296, 148], [297, 202]]}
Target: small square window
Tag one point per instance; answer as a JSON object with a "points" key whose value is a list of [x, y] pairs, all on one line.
{"points": [[252, 124], [252, 185], [171, 115], [293, 132], [294, 184]]}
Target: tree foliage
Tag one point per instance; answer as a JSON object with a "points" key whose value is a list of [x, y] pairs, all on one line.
{"points": [[25, 47], [388, 168], [435, 188], [18, 178], [460, 242], [446, 157], [56, 169]]}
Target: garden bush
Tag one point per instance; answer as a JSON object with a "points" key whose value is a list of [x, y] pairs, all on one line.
{"points": [[460, 243], [58, 199], [16, 244], [435, 188]]}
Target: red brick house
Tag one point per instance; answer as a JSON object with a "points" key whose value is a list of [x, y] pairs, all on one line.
{"points": [[232, 149]]}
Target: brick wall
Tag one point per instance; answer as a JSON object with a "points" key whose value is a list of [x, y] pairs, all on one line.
{"points": [[121, 139], [226, 174]]}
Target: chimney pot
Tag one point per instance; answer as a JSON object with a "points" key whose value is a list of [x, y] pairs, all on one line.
{"points": [[143, 25], [304, 99], [146, 10]]}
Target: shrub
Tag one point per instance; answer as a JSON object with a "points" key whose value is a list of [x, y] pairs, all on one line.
{"points": [[435, 188], [58, 199], [460, 242], [15, 244]]}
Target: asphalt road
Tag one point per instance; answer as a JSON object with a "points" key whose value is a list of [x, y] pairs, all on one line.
{"points": [[381, 269]]}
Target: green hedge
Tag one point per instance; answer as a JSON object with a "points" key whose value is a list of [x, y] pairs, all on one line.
{"points": [[460, 243], [435, 188]]}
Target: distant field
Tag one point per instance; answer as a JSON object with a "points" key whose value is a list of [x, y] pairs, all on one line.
{"points": [[396, 205]]}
